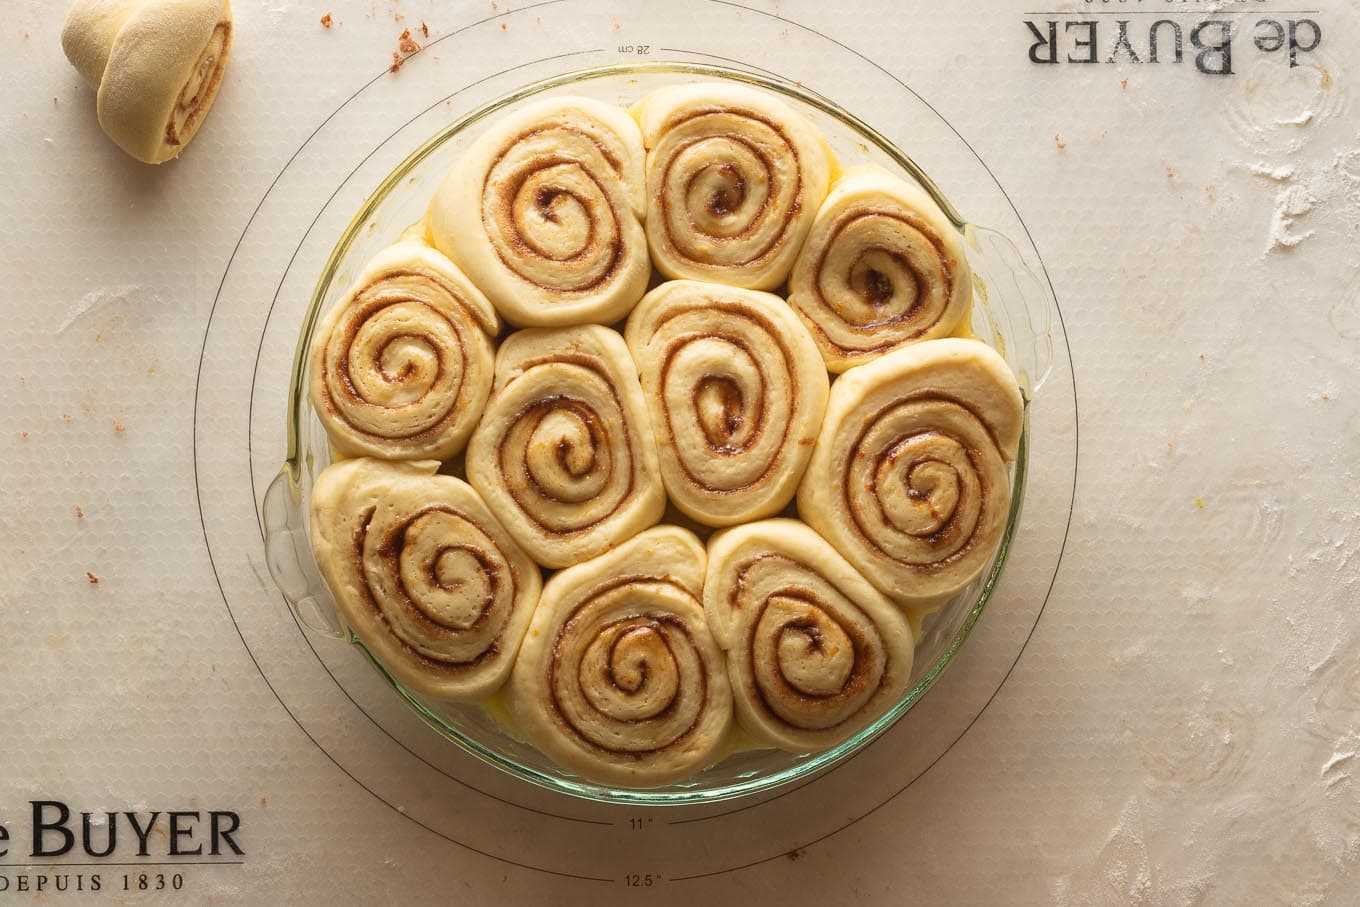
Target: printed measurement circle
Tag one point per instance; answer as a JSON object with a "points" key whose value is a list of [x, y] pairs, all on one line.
{"points": [[333, 695]]}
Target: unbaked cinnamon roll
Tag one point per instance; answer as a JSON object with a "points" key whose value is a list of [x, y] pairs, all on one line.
{"points": [[619, 678], [544, 213], [736, 391], [401, 367], [564, 453], [426, 578], [908, 478], [814, 652], [156, 65], [882, 267], [734, 179]]}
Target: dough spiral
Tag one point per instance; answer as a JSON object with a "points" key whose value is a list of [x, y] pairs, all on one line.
{"points": [[814, 652], [426, 578], [544, 213], [619, 678], [734, 178], [564, 453], [155, 64], [908, 478], [881, 268], [736, 391], [401, 368]]}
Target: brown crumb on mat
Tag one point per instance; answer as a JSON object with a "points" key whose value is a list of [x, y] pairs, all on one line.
{"points": [[327, 21], [1123, 84], [396, 62], [424, 29], [1057, 140], [406, 44], [92, 577], [119, 426], [503, 26], [24, 435], [80, 512]]}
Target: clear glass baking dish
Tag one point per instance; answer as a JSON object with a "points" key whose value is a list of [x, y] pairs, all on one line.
{"points": [[1012, 311]]}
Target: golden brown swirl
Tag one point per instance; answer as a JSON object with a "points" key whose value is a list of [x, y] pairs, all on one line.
{"points": [[401, 368], [882, 267], [734, 178], [619, 678], [564, 453], [544, 213], [425, 576], [814, 652], [198, 93], [908, 478], [736, 391]]}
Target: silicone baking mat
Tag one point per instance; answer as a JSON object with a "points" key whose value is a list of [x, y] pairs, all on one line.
{"points": [[1160, 704]]}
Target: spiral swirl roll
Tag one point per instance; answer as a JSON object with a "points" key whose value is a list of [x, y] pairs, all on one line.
{"points": [[619, 678], [882, 267], [564, 453], [401, 368], [424, 575], [814, 652], [544, 213], [156, 65], [734, 179], [908, 478], [736, 392]]}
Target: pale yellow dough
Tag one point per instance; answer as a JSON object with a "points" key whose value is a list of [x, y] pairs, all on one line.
{"points": [[425, 576], [402, 366], [736, 391], [908, 478], [882, 267], [544, 213], [814, 653], [564, 453], [619, 678], [734, 179], [156, 65]]}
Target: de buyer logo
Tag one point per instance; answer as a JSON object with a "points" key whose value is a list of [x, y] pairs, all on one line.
{"points": [[126, 851], [1169, 32]]}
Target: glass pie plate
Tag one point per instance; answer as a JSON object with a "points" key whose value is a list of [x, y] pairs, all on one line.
{"points": [[1011, 311]]}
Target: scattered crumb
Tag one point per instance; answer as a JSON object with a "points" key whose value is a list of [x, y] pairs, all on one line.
{"points": [[1057, 140], [80, 512], [1170, 174], [398, 15], [1199, 502], [494, 5], [119, 426], [784, 33], [1104, 133], [1170, 445], [66, 417], [327, 21], [1326, 397], [25, 36], [55, 100], [424, 29], [794, 855], [406, 44], [24, 435], [396, 62], [264, 801], [1201, 357], [617, 26], [504, 27], [93, 578], [1123, 84]]}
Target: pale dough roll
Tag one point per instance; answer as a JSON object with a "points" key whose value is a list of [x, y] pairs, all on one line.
{"points": [[156, 65], [908, 478], [401, 368], [619, 678], [564, 453], [734, 178], [814, 652], [543, 212], [882, 267], [736, 391], [426, 578]]}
